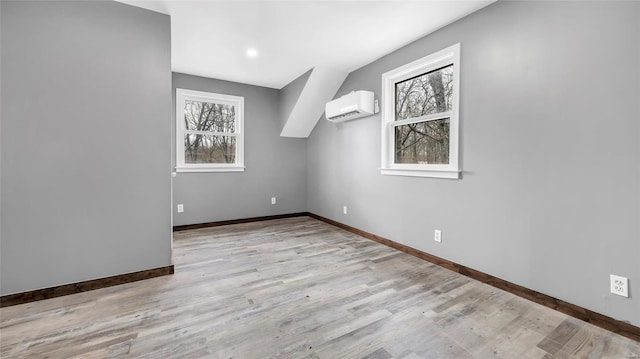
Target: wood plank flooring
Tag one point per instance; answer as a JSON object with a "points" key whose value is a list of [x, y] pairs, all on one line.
{"points": [[298, 288]]}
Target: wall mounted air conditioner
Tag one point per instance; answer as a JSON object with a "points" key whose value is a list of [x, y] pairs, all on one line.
{"points": [[350, 106]]}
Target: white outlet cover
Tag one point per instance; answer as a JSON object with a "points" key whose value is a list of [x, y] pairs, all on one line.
{"points": [[344, 210], [437, 236], [180, 208], [619, 285]]}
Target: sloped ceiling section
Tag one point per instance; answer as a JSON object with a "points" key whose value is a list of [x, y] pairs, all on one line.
{"points": [[289, 96], [320, 87]]}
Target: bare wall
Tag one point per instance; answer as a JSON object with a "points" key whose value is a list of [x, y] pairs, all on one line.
{"points": [[86, 97], [550, 148], [275, 166]]}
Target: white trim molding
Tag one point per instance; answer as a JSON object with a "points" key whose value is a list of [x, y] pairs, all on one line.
{"points": [[430, 63], [183, 95]]}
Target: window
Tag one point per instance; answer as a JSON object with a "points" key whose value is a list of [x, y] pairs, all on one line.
{"points": [[209, 132], [420, 117]]}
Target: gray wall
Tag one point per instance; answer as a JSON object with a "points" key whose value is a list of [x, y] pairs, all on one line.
{"points": [[289, 96], [86, 97], [275, 166], [550, 134]]}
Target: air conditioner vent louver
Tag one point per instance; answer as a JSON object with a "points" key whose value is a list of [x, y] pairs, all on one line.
{"points": [[350, 106]]}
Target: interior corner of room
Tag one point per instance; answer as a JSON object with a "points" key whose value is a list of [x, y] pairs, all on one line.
{"points": [[544, 194]]}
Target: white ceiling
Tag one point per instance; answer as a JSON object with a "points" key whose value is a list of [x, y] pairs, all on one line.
{"points": [[210, 38]]}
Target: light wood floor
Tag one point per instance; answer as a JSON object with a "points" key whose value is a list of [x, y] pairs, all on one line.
{"points": [[298, 288]]}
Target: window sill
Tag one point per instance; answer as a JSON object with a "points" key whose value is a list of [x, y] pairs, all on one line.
{"points": [[433, 173], [210, 169]]}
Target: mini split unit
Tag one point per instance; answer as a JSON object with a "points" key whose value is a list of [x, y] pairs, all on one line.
{"points": [[350, 106]]}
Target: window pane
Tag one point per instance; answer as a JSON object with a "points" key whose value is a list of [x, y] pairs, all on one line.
{"points": [[425, 94], [209, 149], [423, 142], [207, 116]]}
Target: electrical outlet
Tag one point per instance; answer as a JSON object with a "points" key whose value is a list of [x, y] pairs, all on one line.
{"points": [[437, 236], [180, 208], [344, 210], [619, 285], [273, 200]]}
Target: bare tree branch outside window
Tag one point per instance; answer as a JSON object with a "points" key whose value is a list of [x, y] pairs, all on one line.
{"points": [[424, 142], [220, 120]]}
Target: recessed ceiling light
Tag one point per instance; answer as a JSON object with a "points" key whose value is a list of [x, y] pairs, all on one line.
{"points": [[251, 52]]}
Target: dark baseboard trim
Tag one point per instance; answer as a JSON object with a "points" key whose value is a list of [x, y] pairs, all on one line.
{"points": [[66, 289], [616, 326], [238, 221], [597, 319]]}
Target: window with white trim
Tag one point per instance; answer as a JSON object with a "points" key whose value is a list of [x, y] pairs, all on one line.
{"points": [[420, 117], [209, 132]]}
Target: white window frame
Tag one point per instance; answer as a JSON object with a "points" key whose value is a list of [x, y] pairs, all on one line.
{"points": [[183, 95], [442, 58]]}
